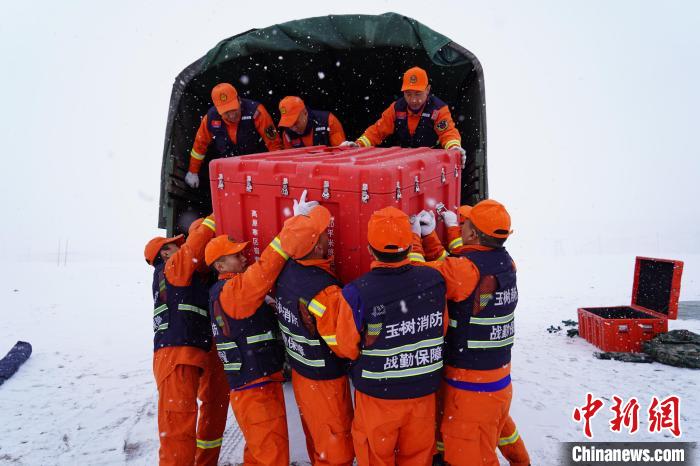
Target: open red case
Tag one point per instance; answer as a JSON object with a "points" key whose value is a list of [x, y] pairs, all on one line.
{"points": [[657, 286]]}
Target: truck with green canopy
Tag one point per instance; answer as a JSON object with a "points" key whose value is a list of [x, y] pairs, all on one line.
{"points": [[350, 65]]}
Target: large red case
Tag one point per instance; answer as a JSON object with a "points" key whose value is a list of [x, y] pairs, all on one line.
{"points": [[657, 286], [252, 195]]}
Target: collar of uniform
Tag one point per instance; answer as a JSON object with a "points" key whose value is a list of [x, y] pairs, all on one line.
{"points": [[474, 247], [324, 264], [227, 275], [389, 265]]}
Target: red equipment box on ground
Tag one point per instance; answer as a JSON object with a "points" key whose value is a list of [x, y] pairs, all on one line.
{"points": [[657, 286], [252, 195]]}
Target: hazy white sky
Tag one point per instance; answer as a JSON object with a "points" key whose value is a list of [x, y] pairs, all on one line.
{"points": [[591, 113]]}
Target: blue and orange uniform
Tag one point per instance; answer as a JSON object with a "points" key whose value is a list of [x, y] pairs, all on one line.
{"points": [[391, 324], [185, 366], [254, 132]]}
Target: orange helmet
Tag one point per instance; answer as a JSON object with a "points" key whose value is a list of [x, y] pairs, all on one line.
{"points": [[154, 246]]}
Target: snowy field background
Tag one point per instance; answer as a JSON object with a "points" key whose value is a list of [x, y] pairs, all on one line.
{"points": [[592, 123]]}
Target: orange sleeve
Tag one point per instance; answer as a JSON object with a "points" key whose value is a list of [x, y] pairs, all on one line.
{"points": [[266, 129], [337, 325], [243, 294], [445, 129], [199, 148], [337, 135], [376, 133], [182, 265], [460, 274], [432, 248], [454, 238]]}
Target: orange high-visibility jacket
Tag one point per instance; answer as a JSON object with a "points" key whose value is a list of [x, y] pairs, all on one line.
{"points": [[448, 137], [262, 120]]}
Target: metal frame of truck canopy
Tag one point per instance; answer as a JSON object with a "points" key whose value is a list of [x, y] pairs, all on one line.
{"points": [[349, 64]]}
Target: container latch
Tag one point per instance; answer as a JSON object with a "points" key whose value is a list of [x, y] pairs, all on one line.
{"points": [[456, 171], [416, 184], [365, 193], [398, 190], [221, 181], [443, 177], [248, 184], [326, 190], [285, 187]]}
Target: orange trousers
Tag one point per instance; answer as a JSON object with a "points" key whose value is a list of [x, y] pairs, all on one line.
{"points": [[472, 423], [325, 407], [389, 432], [262, 417], [512, 446], [190, 434]]}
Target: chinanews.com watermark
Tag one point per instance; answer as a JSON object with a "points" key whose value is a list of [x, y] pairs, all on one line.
{"points": [[659, 416], [625, 453]]}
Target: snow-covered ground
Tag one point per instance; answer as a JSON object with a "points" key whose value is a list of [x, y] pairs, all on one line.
{"points": [[87, 395]]}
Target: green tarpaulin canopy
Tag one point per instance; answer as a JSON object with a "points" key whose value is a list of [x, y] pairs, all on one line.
{"points": [[350, 64]]}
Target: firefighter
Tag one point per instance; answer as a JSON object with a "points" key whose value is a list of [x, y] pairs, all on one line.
{"points": [[237, 126], [244, 327], [477, 391], [184, 364], [304, 127], [319, 379], [418, 119], [391, 322]]}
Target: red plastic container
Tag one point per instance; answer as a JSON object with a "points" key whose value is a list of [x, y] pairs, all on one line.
{"points": [[657, 286], [252, 195]]}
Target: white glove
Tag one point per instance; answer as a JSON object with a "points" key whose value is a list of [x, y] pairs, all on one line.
{"points": [[463, 153], [302, 207], [450, 218], [348, 144], [427, 222], [192, 180], [415, 224]]}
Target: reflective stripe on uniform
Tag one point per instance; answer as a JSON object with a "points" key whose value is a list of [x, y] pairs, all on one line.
{"points": [[192, 308], [410, 372], [491, 320], [277, 246], [261, 337], [416, 257], [196, 155], [509, 440], [453, 143], [490, 343], [316, 308], [159, 309], [298, 338], [455, 243], [364, 141], [443, 256], [226, 346], [329, 339], [453, 323], [206, 444], [440, 446], [232, 366], [162, 327], [374, 329], [303, 360], [484, 299], [161, 285], [209, 223], [401, 349]]}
